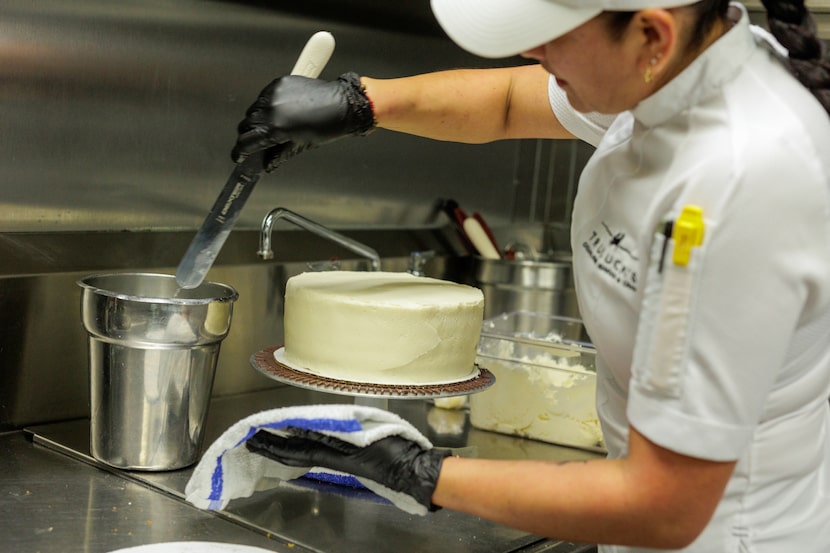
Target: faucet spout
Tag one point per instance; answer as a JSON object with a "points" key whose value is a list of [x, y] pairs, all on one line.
{"points": [[266, 251]]}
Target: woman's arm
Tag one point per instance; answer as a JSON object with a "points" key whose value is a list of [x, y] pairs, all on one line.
{"points": [[293, 114], [652, 498], [473, 105]]}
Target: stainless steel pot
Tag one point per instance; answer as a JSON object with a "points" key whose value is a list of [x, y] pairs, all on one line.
{"points": [[540, 286], [153, 349]]}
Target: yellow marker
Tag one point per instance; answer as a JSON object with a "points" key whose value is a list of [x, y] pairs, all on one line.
{"points": [[687, 234]]}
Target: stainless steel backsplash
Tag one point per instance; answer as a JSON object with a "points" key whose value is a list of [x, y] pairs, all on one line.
{"points": [[121, 115], [116, 122]]}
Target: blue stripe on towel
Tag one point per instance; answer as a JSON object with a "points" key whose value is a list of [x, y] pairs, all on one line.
{"points": [[216, 481], [331, 478], [362, 493], [331, 425]]}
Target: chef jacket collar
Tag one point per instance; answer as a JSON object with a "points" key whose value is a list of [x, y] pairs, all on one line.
{"points": [[703, 78]]}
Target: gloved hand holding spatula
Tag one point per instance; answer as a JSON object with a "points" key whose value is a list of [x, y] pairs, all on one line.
{"points": [[293, 114]]}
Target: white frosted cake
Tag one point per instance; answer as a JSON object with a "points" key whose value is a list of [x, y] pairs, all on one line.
{"points": [[382, 328]]}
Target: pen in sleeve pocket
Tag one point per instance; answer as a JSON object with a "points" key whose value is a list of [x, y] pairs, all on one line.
{"points": [[667, 230]]}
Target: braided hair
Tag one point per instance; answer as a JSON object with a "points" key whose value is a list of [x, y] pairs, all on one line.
{"points": [[794, 27]]}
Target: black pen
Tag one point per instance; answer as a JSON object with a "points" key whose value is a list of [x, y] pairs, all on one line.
{"points": [[668, 227]]}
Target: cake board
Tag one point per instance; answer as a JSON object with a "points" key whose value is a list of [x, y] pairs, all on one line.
{"points": [[266, 362]]}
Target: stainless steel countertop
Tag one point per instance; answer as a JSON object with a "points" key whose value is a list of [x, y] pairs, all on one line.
{"points": [[55, 497], [51, 503]]}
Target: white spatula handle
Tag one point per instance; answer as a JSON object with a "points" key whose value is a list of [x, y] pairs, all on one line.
{"points": [[315, 55]]}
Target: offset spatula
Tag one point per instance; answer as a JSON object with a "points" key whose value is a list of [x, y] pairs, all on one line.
{"points": [[218, 224]]}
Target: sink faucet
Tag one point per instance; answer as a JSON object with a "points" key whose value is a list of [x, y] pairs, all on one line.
{"points": [[417, 260], [265, 251]]}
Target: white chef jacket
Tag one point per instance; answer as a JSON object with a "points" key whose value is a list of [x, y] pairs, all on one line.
{"points": [[728, 356]]}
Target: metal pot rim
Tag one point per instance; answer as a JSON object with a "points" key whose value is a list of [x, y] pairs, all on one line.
{"points": [[207, 292]]}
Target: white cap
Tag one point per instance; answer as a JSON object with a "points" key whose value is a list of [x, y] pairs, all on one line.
{"points": [[502, 28]]}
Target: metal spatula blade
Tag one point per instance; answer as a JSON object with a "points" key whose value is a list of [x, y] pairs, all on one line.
{"points": [[202, 252]]}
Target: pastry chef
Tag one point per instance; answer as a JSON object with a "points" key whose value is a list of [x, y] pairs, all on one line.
{"points": [[708, 195]]}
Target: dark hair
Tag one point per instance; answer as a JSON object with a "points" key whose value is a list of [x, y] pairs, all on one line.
{"points": [[789, 21], [709, 12]]}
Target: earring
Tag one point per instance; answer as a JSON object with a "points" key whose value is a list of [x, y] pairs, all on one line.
{"points": [[648, 76]]}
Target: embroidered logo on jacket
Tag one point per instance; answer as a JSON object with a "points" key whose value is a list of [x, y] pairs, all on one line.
{"points": [[608, 250]]}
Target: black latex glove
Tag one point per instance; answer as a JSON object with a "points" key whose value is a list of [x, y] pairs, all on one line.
{"points": [[293, 114], [394, 462]]}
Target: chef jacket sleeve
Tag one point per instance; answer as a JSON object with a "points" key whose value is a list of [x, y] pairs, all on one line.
{"points": [[731, 347]]}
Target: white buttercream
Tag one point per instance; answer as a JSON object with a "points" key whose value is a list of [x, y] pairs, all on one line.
{"points": [[541, 396], [384, 328]]}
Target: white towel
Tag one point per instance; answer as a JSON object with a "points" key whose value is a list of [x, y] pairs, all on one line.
{"points": [[228, 470]]}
